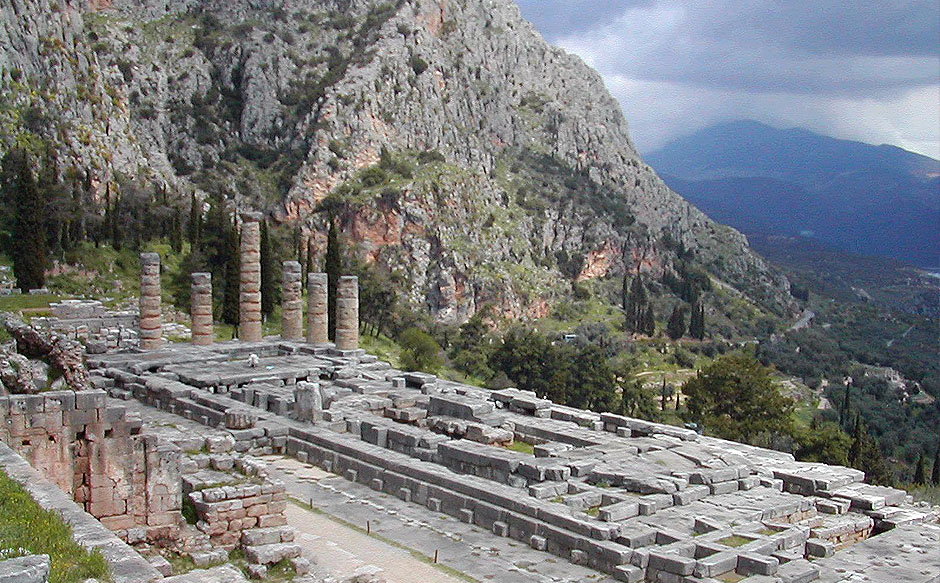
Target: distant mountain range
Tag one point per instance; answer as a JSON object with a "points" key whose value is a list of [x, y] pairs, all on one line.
{"points": [[864, 199]]}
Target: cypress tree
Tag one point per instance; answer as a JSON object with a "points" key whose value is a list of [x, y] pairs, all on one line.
{"points": [[332, 267], [28, 245], [195, 218], [920, 472], [176, 230], [648, 323], [697, 321], [232, 278], [935, 473], [636, 305], [675, 328], [846, 403], [269, 289]]}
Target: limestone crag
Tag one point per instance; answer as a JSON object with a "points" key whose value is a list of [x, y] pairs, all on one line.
{"points": [[526, 179]]}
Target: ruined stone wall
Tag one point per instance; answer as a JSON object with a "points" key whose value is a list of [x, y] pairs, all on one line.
{"points": [[96, 454]]}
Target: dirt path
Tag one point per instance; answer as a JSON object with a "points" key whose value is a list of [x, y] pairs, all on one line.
{"points": [[346, 551]]}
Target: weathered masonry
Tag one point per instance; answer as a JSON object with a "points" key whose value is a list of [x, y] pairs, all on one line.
{"points": [[637, 500]]}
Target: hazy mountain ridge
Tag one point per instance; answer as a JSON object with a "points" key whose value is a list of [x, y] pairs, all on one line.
{"points": [[875, 200], [279, 103]]}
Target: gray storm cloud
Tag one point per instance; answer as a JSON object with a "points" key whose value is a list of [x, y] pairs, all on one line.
{"points": [[862, 70]]}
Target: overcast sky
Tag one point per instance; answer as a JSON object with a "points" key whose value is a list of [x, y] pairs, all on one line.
{"points": [[866, 70]]}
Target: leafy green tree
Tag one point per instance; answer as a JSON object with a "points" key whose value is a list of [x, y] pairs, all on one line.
{"points": [[27, 246], [636, 401], [333, 266], [735, 398], [823, 442], [675, 328], [420, 351]]}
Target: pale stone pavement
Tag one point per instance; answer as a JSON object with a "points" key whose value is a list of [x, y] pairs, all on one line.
{"points": [[343, 550], [469, 550]]}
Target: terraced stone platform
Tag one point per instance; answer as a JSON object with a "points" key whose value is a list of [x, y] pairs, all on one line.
{"points": [[634, 499]]}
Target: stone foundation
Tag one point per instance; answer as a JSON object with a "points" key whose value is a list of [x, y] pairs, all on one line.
{"points": [[96, 454]]}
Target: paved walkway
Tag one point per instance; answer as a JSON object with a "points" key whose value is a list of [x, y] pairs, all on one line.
{"points": [[341, 549], [472, 551]]}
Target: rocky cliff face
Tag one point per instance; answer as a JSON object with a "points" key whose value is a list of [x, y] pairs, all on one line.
{"points": [[459, 147]]}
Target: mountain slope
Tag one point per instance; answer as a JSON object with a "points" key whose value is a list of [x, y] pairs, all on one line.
{"points": [[454, 144], [874, 200]]}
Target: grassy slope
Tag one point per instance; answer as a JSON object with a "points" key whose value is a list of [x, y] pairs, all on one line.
{"points": [[25, 528]]}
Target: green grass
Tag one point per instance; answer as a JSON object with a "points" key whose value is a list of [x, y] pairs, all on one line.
{"points": [[593, 511], [522, 447], [735, 541], [24, 525], [27, 302]]}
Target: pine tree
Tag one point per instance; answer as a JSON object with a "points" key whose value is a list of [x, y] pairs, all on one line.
{"points": [[675, 328], [28, 244], [697, 321], [920, 471], [270, 293], [332, 267], [935, 473]]}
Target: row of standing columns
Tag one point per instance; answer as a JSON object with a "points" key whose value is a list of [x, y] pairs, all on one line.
{"points": [[249, 304]]}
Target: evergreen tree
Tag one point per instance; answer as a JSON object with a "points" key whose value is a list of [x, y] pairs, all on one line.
{"points": [[333, 268], [846, 403], [935, 473], [636, 304], [920, 471], [176, 231], [648, 324], [28, 233], [697, 321], [232, 279], [195, 218], [865, 455], [675, 328], [270, 292]]}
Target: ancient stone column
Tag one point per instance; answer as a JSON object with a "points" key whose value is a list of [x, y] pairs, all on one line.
{"points": [[317, 313], [249, 297], [347, 313], [292, 303], [201, 309], [151, 324]]}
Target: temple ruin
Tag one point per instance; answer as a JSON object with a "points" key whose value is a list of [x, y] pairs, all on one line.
{"points": [[616, 498]]}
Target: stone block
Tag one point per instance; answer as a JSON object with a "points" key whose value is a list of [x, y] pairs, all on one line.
{"points": [[671, 563], [798, 571], [818, 548], [754, 564], [271, 553], [28, 569]]}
